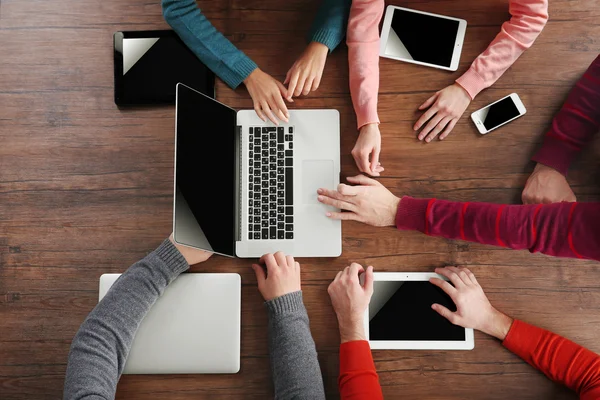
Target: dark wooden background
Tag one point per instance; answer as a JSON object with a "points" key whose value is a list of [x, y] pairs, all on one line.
{"points": [[86, 189]]}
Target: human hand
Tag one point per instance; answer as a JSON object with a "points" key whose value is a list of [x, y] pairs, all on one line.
{"points": [[368, 144], [445, 109], [369, 202], [547, 185], [350, 300], [282, 277], [305, 75], [192, 256], [267, 94], [473, 309]]}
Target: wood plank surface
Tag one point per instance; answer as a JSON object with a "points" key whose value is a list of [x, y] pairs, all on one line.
{"points": [[86, 189]]}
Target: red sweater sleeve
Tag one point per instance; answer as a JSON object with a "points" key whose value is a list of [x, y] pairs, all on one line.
{"points": [[358, 377], [575, 124], [558, 358], [560, 229]]}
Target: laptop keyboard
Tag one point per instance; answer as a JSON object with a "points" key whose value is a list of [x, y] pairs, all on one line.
{"points": [[271, 183]]}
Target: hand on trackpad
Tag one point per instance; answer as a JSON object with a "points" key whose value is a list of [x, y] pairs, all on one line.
{"points": [[315, 174]]}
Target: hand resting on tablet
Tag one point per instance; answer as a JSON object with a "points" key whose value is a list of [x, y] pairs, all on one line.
{"points": [[473, 309]]}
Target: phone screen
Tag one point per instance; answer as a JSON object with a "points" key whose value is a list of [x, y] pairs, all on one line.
{"points": [[499, 113]]}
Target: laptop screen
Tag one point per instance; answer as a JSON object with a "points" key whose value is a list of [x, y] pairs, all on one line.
{"points": [[205, 173]]}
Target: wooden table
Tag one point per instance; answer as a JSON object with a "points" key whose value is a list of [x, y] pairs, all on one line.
{"points": [[86, 189]]}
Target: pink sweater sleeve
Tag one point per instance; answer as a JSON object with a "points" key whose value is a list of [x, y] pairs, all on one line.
{"points": [[528, 18], [363, 58]]}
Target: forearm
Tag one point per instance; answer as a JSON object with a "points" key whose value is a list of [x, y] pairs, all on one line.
{"points": [[576, 123], [294, 363], [558, 358], [358, 377], [363, 58], [329, 25], [528, 18], [210, 46], [561, 229], [100, 347]]}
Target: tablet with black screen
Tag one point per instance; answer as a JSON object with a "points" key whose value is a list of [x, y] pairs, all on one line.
{"points": [[400, 315], [422, 38], [149, 64]]}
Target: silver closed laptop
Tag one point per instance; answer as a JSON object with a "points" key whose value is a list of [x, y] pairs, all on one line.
{"points": [[244, 187], [193, 328]]}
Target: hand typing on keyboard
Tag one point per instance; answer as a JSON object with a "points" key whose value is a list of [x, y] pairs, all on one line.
{"points": [[267, 94]]}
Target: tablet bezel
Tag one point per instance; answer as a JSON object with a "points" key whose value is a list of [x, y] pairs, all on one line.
{"points": [[118, 64], [467, 344], [458, 44]]}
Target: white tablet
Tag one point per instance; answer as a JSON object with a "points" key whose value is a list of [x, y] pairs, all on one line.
{"points": [[422, 38], [400, 315]]}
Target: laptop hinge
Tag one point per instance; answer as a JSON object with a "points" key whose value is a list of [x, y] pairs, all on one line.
{"points": [[238, 183]]}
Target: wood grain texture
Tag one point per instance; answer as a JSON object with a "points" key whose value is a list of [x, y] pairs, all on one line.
{"points": [[86, 189]]}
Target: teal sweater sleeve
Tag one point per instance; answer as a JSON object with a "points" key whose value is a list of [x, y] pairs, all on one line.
{"points": [[211, 47], [329, 26]]}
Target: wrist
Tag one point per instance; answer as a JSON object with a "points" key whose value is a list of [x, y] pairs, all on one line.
{"points": [[318, 47], [541, 168], [351, 331], [463, 91], [371, 126], [394, 210], [252, 76], [498, 325]]}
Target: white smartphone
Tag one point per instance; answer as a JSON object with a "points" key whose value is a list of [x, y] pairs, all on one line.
{"points": [[422, 38], [498, 113]]}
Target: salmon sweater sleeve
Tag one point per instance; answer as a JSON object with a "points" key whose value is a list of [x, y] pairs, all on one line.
{"points": [[362, 39], [358, 378], [528, 18], [559, 359], [560, 229], [576, 123]]}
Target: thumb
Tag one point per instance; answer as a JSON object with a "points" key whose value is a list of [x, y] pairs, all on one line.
{"points": [[375, 159], [283, 90], [261, 277], [369, 279], [444, 312], [428, 102], [362, 180]]}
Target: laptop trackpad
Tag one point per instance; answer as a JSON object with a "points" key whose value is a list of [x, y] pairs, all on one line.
{"points": [[315, 174]]}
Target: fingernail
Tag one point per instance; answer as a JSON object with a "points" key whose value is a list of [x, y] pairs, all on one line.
{"points": [[320, 198], [428, 140], [319, 191], [328, 214]]}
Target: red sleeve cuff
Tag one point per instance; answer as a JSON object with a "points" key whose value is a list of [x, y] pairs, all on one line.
{"points": [[356, 356], [521, 338], [556, 154], [411, 214]]}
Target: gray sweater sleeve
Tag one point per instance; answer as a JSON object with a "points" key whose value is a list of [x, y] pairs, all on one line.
{"points": [[101, 345], [294, 363]]}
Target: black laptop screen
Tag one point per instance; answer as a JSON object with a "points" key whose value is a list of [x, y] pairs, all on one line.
{"points": [[205, 173]]}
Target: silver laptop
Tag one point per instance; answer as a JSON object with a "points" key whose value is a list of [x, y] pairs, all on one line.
{"points": [[194, 328], [244, 187]]}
